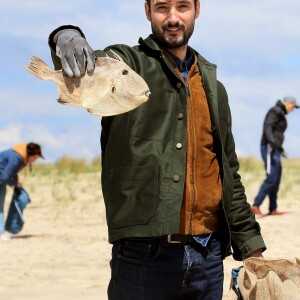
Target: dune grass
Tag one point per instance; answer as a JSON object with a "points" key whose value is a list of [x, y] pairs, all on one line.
{"points": [[69, 177], [67, 165], [66, 180]]}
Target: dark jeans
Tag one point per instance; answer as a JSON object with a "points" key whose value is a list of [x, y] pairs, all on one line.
{"points": [[271, 184], [150, 269]]}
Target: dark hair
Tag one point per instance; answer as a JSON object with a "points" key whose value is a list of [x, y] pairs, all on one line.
{"points": [[34, 149], [148, 1]]}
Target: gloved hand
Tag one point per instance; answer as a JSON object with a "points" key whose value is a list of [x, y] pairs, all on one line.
{"points": [[74, 52]]}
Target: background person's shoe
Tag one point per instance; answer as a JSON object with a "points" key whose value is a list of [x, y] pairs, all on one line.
{"points": [[257, 211], [276, 213]]}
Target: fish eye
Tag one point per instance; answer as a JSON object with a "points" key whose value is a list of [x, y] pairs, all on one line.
{"points": [[125, 72], [113, 89]]}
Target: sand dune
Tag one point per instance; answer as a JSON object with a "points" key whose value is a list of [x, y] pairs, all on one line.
{"points": [[62, 252]]}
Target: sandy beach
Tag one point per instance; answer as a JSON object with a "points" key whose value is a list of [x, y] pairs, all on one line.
{"points": [[62, 252]]}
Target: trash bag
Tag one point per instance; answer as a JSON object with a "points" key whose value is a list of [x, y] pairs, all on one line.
{"points": [[273, 278], [266, 279], [234, 293], [15, 220]]}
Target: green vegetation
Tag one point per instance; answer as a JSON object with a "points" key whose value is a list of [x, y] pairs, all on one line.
{"points": [[67, 180], [250, 164], [67, 165], [70, 179]]}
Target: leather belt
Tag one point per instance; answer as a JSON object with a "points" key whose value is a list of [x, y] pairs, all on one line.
{"points": [[178, 238], [168, 239]]}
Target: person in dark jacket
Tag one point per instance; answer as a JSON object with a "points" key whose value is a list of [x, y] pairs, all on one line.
{"points": [[11, 162], [175, 204], [275, 124]]}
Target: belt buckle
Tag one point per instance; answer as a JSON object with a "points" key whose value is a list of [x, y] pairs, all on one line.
{"points": [[169, 240]]}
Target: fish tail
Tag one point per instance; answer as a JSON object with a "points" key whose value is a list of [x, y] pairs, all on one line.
{"points": [[38, 68]]}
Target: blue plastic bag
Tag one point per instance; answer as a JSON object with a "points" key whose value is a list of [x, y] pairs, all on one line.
{"points": [[15, 220], [234, 283]]}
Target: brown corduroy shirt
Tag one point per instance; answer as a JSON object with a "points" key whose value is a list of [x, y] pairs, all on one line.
{"points": [[203, 187]]}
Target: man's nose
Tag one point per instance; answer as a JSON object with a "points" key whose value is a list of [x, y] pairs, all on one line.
{"points": [[173, 15]]}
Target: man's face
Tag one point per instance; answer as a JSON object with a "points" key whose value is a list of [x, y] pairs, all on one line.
{"points": [[290, 106], [172, 21]]}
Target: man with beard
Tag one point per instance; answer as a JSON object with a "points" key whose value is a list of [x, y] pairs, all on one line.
{"points": [[175, 204]]}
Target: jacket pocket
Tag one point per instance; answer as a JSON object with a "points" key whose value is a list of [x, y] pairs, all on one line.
{"points": [[131, 195]]}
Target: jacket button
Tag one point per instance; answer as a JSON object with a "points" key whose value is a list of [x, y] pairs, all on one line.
{"points": [[176, 178], [246, 250], [178, 146], [179, 85], [180, 116]]}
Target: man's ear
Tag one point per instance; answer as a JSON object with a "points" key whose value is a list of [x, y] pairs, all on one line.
{"points": [[147, 11], [197, 9]]}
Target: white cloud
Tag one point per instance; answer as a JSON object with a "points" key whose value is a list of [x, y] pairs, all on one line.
{"points": [[74, 142], [255, 44], [10, 134], [249, 37], [93, 16]]}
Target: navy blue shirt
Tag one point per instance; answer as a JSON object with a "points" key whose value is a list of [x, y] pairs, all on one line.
{"points": [[184, 66]]}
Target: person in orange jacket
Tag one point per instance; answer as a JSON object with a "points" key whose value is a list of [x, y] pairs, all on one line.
{"points": [[11, 162]]}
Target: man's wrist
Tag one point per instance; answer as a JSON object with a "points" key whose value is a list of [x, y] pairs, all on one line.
{"points": [[256, 253]]}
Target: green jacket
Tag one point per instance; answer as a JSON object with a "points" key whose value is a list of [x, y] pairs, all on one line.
{"points": [[141, 165]]}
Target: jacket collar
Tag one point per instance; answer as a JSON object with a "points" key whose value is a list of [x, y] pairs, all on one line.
{"points": [[151, 44], [282, 106], [208, 72]]}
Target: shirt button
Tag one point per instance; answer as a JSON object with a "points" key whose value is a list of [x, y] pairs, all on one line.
{"points": [[176, 178], [179, 85], [178, 146], [180, 116]]}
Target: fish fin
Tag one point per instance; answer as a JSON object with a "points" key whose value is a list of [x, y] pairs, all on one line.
{"points": [[65, 100], [90, 111], [62, 101], [39, 69], [93, 112], [117, 56]]}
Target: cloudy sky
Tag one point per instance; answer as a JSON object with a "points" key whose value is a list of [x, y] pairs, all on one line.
{"points": [[256, 45]]}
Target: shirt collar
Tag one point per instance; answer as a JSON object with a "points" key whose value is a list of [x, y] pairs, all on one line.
{"points": [[186, 64]]}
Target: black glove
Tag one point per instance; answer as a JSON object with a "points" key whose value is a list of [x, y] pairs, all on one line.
{"points": [[74, 52]]}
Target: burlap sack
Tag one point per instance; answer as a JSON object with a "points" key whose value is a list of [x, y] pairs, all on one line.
{"points": [[270, 279]]}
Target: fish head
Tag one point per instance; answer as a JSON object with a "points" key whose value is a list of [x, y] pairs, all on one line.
{"points": [[126, 86]]}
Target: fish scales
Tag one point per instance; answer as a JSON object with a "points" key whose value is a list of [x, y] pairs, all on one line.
{"points": [[113, 88]]}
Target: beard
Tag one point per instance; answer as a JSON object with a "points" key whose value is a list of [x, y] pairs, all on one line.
{"points": [[172, 42]]}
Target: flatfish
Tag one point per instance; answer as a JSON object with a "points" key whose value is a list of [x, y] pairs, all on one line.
{"points": [[113, 88]]}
